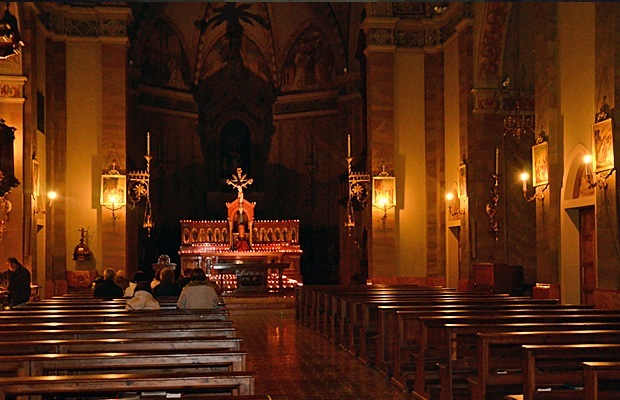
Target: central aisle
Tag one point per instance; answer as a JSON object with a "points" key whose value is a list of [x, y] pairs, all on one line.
{"points": [[294, 363]]}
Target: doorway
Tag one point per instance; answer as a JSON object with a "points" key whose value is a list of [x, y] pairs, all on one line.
{"points": [[587, 253]]}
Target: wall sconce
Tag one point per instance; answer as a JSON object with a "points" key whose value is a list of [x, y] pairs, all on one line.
{"points": [[114, 189], [538, 192], [595, 179], [450, 201], [51, 196], [358, 188], [384, 192], [113, 193]]}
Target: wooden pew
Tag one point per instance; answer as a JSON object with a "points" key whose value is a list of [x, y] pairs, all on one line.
{"points": [[503, 351], [601, 380], [352, 318], [541, 362], [374, 323], [438, 337], [395, 321], [236, 383], [117, 345], [98, 316], [107, 333], [171, 361], [159, 324], [368, 322]]}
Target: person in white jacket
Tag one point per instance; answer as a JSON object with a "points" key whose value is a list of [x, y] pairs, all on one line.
{"points": [[198, 294], [142, 298]]}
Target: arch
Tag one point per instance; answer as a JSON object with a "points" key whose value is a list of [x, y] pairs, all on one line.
{"points": [[573, 179]]}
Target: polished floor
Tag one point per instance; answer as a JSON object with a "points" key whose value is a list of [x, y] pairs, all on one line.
{"points": [[293, 362]]}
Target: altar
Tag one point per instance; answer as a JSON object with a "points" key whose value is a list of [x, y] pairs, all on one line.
{"points": [[241, 247]]}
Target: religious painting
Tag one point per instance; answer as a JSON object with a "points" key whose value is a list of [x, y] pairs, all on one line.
{"points": [[113, 192], [462, 182], [384, 191], [603, 144], [540, 164], [36, 185]]}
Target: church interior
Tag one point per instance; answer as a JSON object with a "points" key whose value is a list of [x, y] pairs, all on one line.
{"points": [[349, 155]]}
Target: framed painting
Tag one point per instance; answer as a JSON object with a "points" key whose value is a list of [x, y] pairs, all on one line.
{"points": [[36, 183], [113, 192], [384, 191], [462, 182], [603, 145], [540, 164]]}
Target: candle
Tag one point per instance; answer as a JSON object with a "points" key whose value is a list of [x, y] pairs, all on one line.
{"points": [[349, 146], [148, 143], [496, 161], [524, 185]]}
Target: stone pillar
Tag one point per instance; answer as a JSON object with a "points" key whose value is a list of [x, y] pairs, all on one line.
{"points": [[548, 118], [56, 135], [435, 163], [113, 136], [380, 116]]}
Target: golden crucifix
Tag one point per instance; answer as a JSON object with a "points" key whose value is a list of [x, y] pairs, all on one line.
{"points": [[239, 182]]}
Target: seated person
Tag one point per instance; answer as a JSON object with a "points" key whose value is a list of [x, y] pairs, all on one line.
{"points": [[138, 276], [18, 278], [198, 293], [107, 289], [184, 278], [142, 298], [121, 279], [167, 287], [242, 241]]}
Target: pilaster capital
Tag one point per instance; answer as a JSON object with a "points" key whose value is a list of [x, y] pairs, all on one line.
{"points": [[12, 87]]}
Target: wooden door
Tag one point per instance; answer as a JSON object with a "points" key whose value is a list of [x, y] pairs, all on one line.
{"points": [[587, 253]]}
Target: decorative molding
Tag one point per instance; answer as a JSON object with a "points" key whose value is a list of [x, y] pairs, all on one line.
{"points": [[306, 102], [493, 35], [97, 20], [12, 86], [415, 32], [502, 101]]}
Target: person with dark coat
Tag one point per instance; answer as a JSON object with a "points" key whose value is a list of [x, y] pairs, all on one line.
{"points": [[108, 289], [19, 282], [184, 278], [167, 287]]}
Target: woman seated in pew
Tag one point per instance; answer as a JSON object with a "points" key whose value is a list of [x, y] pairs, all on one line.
{"points": [[167, 287], [142, 298], [198, 293], [138, 276]]}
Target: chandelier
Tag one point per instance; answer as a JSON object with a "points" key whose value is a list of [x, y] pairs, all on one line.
{"points": [[518, 124]]}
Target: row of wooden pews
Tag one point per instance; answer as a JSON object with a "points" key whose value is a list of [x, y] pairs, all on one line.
{"points": [[445, 344], [74, 346]]}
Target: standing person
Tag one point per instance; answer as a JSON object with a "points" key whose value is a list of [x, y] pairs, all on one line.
{"points": [[142, 298], [19, 282], [108, 289], [198, 294]]}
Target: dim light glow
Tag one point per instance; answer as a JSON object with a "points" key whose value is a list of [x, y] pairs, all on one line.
{"points": [[525, 176]]}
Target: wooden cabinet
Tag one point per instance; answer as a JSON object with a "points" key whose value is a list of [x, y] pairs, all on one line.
{"points": [[498, 278]]}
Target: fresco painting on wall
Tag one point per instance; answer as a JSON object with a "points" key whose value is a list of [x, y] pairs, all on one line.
{"points": [[603, 145], [540, 164]]}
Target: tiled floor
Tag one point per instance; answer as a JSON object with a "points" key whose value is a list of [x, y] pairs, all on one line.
{"points": [[292, 362]]}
